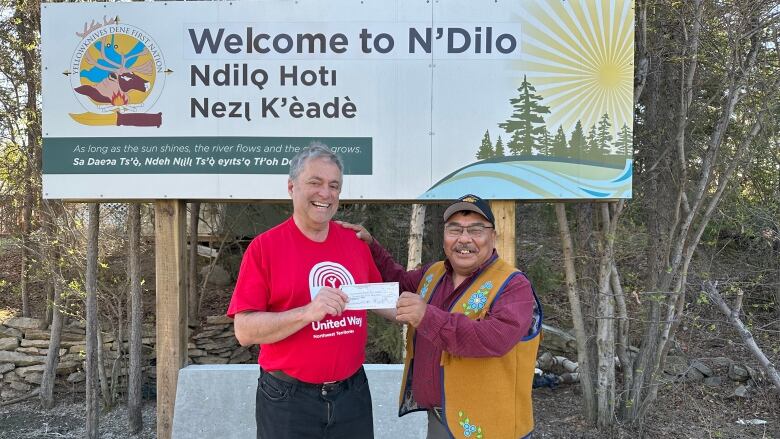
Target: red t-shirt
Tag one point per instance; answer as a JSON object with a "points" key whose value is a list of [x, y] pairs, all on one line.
{"points": [[276, 274]]}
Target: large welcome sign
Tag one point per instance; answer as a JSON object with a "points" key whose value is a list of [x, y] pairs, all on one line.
{"points": [[422, 100]]}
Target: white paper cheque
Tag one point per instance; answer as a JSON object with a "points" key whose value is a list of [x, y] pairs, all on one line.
{"points": [[380, 295]]}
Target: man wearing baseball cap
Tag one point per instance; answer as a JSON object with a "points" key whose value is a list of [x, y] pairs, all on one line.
{"points": [[475, 323]]}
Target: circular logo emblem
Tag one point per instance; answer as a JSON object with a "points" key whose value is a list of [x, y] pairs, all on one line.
{"points": [[329, 274], [117, 68]]}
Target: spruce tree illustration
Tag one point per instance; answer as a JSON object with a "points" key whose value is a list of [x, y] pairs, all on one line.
{"points": [[486, 148], [559, 148], [577, 144], [591, 150], [545, 142], [604, 137], [499, 148], [526, 123], [623, 144]]}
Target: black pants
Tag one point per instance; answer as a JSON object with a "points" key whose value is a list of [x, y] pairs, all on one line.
{"points": [[300, 411]]}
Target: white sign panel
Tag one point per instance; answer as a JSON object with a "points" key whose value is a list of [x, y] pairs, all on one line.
{"points": [[422, 100]]}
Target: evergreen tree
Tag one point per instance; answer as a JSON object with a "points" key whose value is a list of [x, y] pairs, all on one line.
{"points": [[486, 148], [578, 145], [499, 148], [592, 144], [624, 142], [559, 148], [604, 136], [545, 142], [525, 123]]}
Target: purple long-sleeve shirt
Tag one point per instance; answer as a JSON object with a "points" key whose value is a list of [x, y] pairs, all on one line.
{"points": [[505, 324]]}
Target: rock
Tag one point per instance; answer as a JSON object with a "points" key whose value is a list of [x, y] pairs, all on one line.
{"points": [[35, 378], [738, 373], [66, 367], [20, 359], [693, 375], [722, 362], [75, 330], [72, 357], [196, 353], [31, 351], [5, 331], [76, 377], [741, 392], [9, 343], [219, 320], [211, 360], [226, 334], [214, 345], [23, 323], [8, 393], [211, 333], [77, 349], [23, 372], [26, 343], [20, 386], [7, 367], [37, 334], [701, 367], [218, 277], [46, 352], [558, 341], [713, 381], [244, 357], [676, 365]]}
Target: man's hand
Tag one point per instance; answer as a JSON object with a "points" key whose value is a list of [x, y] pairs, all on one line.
{"points": [[329, 301], [411, 308], [360, 231]]}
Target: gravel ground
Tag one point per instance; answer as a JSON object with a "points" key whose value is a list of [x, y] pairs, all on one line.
{"points": [[684, 411]]}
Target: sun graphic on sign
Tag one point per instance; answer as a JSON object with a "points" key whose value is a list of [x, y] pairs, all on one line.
{"points": [[579, 56]]}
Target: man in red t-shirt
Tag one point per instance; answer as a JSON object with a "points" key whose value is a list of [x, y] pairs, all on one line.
{"points": [[288, 300]]}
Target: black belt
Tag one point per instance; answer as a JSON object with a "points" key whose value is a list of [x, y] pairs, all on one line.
{"points": [[324, 387]]}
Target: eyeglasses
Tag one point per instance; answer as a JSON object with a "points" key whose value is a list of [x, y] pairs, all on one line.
{"points": [[475, 231]]}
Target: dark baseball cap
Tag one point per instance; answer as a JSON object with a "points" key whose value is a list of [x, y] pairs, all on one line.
{"points": [[471, 203]]}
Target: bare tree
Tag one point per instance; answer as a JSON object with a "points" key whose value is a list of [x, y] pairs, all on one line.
{"points": [[711, 289], [135, 380], [681, 178], [193, 302], [93, 401], [52, 356]]}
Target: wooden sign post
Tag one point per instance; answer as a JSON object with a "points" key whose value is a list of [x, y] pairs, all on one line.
{"points": [[504, 211], [169, 230]]}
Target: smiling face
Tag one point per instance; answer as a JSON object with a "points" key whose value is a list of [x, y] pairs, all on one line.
{"points": [[315, 195], [467, 251]]}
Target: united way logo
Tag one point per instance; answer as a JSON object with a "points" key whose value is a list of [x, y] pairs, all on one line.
{"points": [[117, 74], [328, 274]]}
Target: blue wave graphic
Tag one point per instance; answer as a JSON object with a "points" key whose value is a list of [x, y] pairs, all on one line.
{"points": [[535, 178]]}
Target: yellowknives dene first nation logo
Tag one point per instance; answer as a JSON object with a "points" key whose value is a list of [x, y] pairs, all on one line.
{"points": [[117, 74]]}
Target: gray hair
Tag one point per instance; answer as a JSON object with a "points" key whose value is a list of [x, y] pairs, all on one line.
{"points": [[315, 150]]}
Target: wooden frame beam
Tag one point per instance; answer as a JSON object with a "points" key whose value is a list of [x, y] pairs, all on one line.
{"points": [[504, 211], [171, 289]]}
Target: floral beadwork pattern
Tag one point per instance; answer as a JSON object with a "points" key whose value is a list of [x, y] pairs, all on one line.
{"points": [[469, 429], [424, 289], [477, 301]]}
